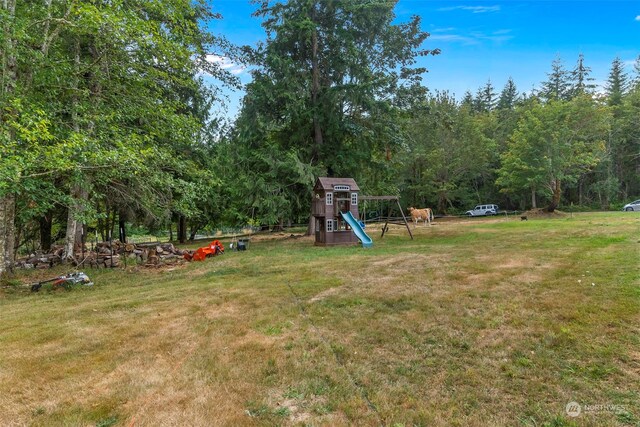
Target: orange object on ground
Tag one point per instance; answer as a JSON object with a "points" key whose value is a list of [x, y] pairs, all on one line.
{"points": [[214, 248]]}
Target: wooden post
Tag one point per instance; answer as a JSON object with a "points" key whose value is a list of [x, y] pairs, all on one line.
{"points": [[385, 227], [404, 218]]}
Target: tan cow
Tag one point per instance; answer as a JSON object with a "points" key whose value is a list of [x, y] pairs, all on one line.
{"points": [[425, 215]]}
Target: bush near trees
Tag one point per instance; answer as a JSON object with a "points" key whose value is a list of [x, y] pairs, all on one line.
{"points": [[106, 122]]}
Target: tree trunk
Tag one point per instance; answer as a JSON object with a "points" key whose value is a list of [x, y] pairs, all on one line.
{"points": [[107, 221], [7, 233], [195, 227], [46, 222], [100, 222], [73, 236], [7, 88], [112, 223], [122, 232], [311, 227], [47, 24], [75, 207], [533, 198], [80, 229], [279, 226], [9, 62], [557, 193], [182, 229], [442, 203], [580, 197]]}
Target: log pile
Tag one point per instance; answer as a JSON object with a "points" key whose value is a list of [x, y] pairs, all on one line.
{"points": [[40, 259], [107, 255]]}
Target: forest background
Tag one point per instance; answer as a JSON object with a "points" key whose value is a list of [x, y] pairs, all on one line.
{"points": [[108, 123]]}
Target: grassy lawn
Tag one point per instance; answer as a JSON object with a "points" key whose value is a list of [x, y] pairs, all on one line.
{"points": [[473, 323]]}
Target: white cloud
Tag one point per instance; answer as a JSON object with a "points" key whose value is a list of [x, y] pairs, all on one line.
{"points": [[453, 38], [472, 9], [475, 37], [442, 30], [638, 18], [226, 64]]}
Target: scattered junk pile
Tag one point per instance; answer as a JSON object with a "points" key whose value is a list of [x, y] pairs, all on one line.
{"points": [[115, 253], [214, 248], [64, 281]]}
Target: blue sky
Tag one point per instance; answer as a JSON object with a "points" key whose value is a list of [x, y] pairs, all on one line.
{"points": [[482, 40]]}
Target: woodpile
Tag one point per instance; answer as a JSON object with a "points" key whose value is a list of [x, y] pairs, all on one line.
{"points": [[40, 259], [107, 255]]}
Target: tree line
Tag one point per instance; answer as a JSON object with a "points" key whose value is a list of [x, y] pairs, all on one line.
{"points": [[337, 92], [105, 116], [107, 122]]}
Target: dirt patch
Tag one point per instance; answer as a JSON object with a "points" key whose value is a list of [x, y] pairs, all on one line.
{"points": [[400, 262], [220, 311], [391, 276], [329, 293], [300, 409], [514, 262]]}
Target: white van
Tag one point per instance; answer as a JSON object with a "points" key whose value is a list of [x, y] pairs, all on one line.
{"points": [[481, 210]]}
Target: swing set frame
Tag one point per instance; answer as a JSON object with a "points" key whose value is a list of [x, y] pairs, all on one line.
{"points": [[390, 208]]}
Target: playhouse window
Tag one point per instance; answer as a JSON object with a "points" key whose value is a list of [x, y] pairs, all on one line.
{"points": [[354, 199], [330, 226], [329, 198], [341, 188]]}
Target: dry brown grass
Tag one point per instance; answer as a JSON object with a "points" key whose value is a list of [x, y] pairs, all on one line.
{"points": [[472, 323]]}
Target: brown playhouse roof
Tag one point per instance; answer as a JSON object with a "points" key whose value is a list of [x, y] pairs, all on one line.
{"points": [[325, 183]]}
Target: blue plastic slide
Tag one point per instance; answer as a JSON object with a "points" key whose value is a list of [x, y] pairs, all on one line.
{"points": [[357, 229]]}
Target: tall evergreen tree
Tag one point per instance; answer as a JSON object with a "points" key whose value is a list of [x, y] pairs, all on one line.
{"points": [[581, 80], [326, 79], [508, 96], [467, 100], [636, 71], [618, 176], [557, 85], [485, 99], [489, 96], [616, 83], [478, 101]]}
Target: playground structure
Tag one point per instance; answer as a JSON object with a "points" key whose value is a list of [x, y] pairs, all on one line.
{"points": [[389, 218], [335, 209]]}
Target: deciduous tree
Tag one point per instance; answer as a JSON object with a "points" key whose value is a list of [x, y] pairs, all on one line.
{"points": [[553, 145]]}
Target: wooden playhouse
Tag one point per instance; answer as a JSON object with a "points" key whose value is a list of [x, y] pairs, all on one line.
{"points": [[330, 197]]}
